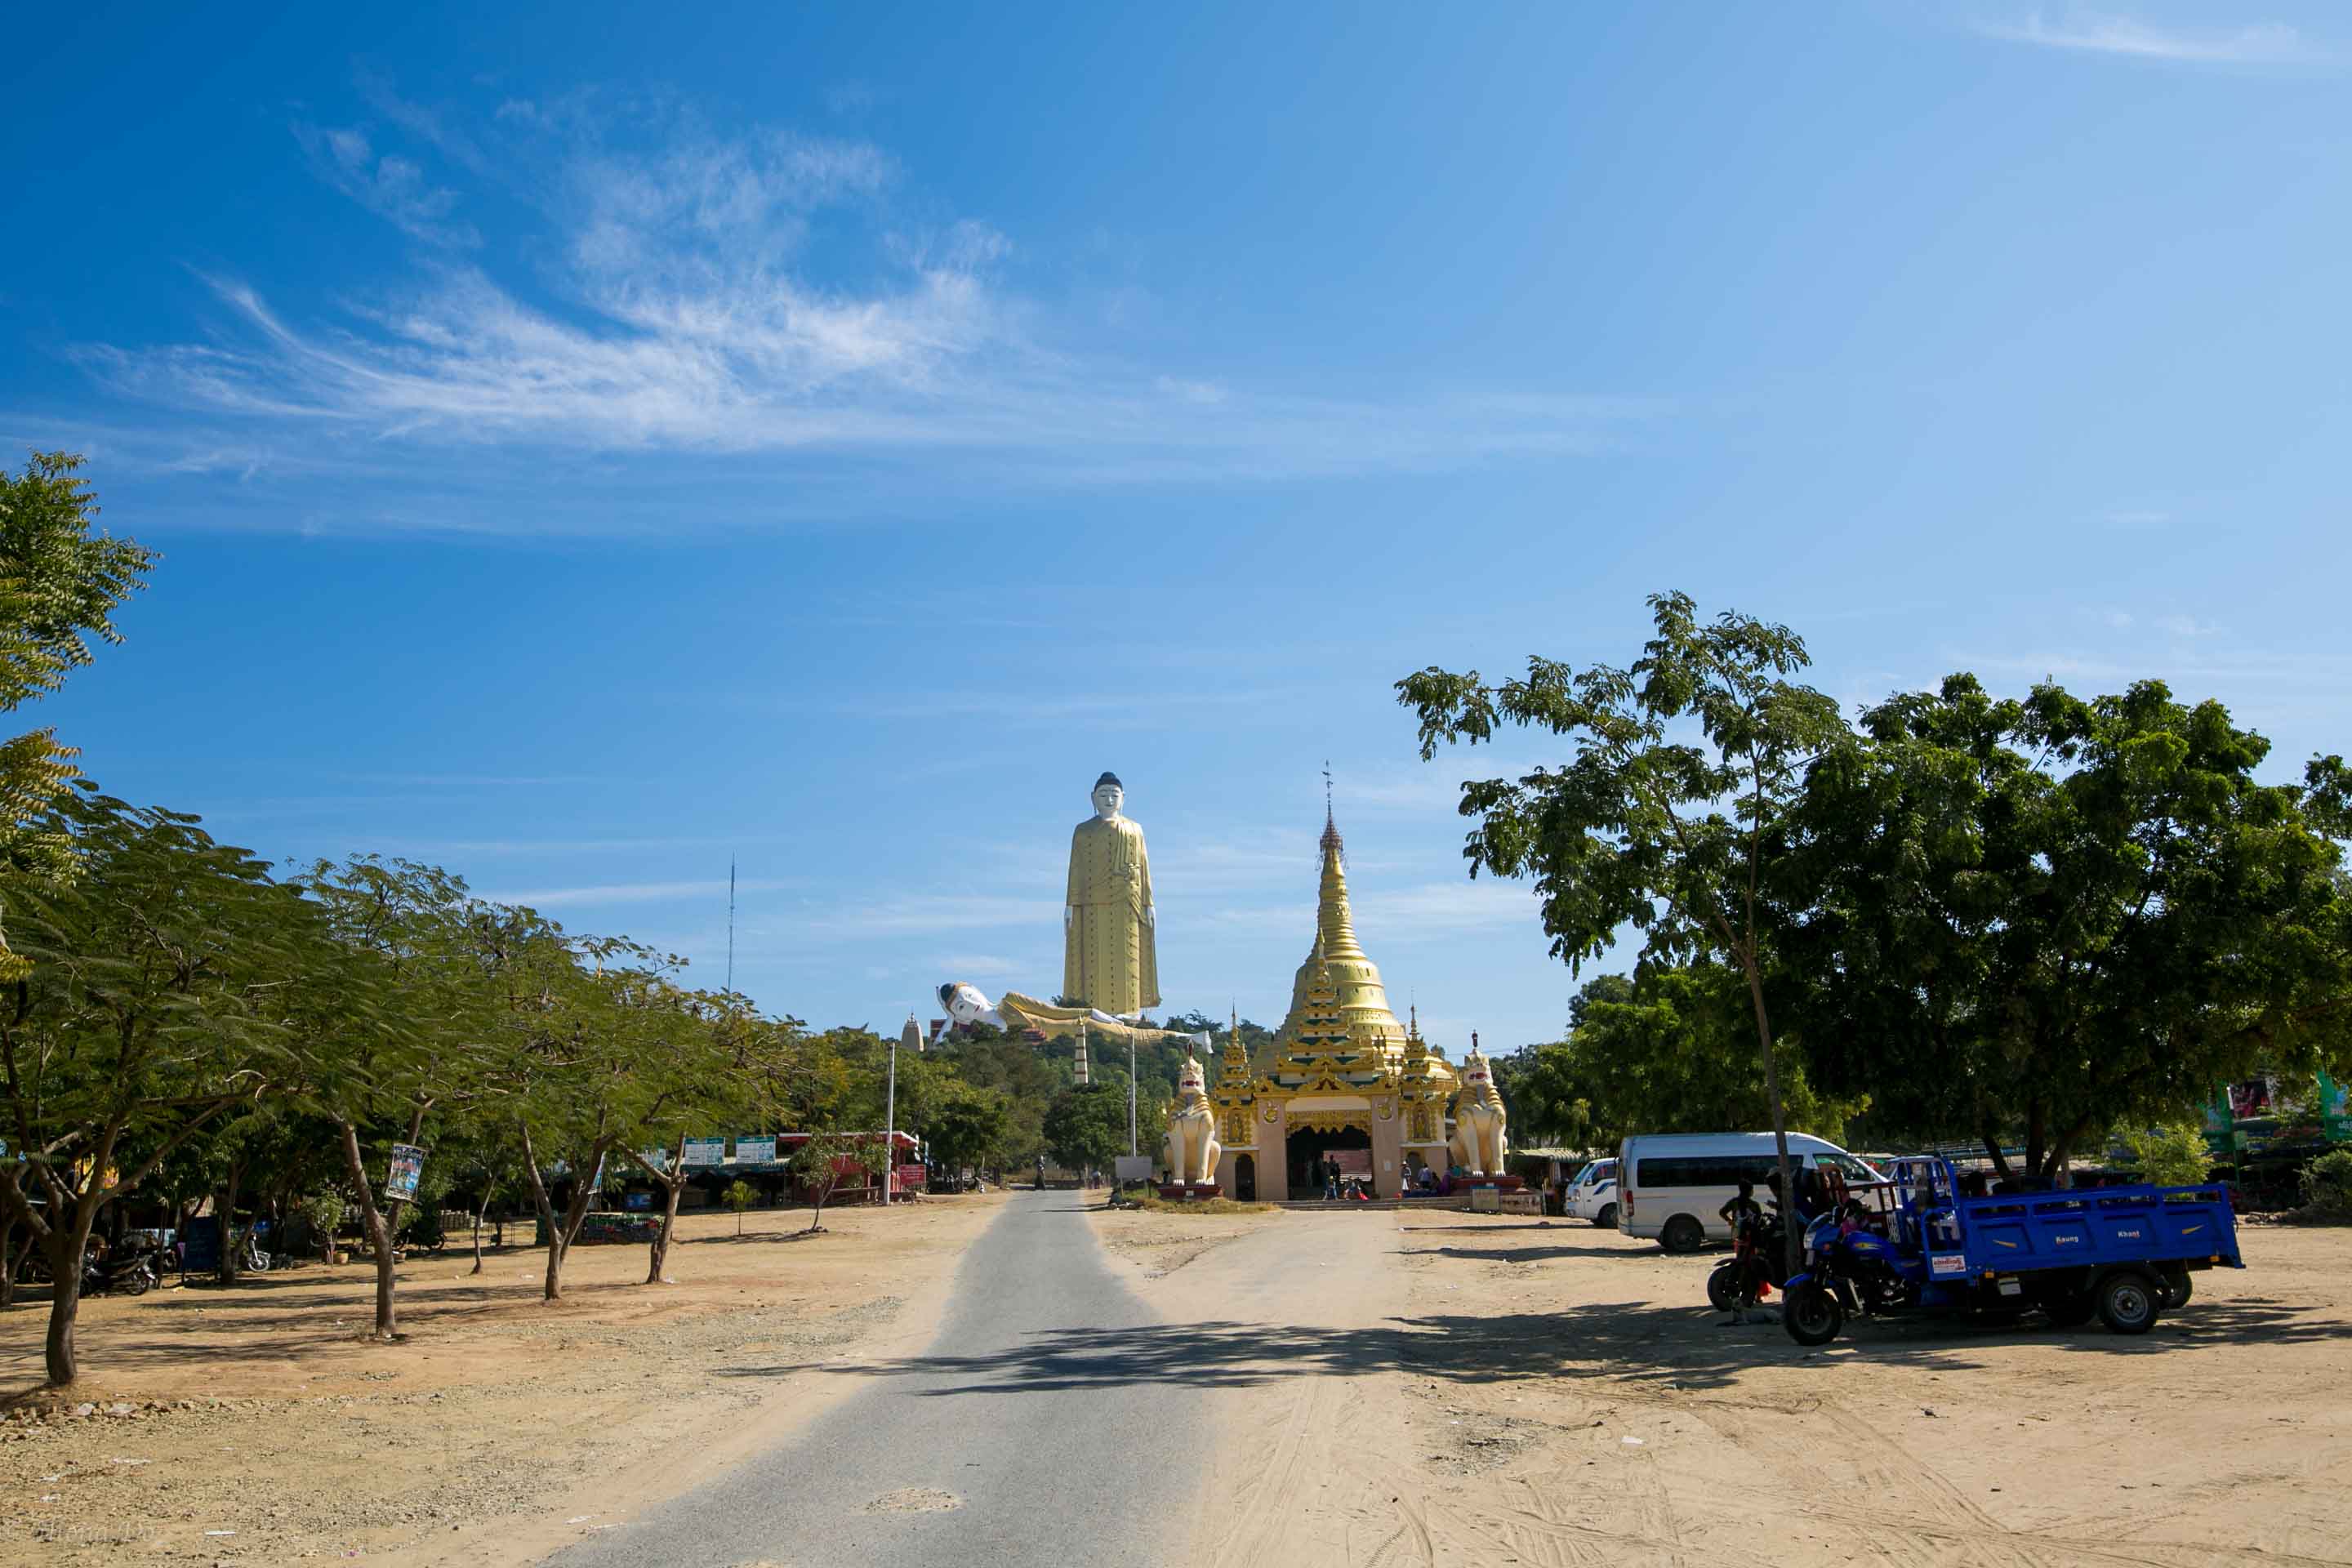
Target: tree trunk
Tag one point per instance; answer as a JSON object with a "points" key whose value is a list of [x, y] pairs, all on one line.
{"points": [[1790, 1225], [2036, 1135], [672, 1190], [1992, 1137], [65, 1302], [378, 1234], [8, 1264], [556, 1238], [480, 1209], [66, 1247], [224, 1206], [673, 1186]]}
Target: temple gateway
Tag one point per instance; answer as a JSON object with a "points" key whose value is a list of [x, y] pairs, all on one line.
{"points": [[1341, 1073]]}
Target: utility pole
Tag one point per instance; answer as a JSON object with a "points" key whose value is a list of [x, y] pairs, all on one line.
{"points": [[890, 1128], [1131, 1149], [731, 922]]}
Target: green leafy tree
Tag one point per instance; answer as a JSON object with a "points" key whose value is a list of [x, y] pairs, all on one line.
{"points": [[1665, 816], [2327, 1186], [825, 1160], [967, 1125], [1662, 1052], [586, 1058], [1087, 1125], [739, 1196], [705, 1059], [2173, 1155], [391, 1012], [2052, 916], [59, 586], [147, 1015]]}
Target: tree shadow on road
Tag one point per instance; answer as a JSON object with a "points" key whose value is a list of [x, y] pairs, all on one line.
{"points": [[1624, 1342]]}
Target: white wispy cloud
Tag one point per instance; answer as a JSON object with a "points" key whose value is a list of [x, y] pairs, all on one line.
{"points": [[390, 185], [975, 965], [2110, 33], [604, 894], [678, 293]]}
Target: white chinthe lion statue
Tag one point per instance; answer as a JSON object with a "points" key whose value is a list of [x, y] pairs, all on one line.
{"points": [[1479, 1140], [1193, 1146]]}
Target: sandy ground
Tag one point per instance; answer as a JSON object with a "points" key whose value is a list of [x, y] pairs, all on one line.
{"points": [[1441, 1389], [502, 1428]]}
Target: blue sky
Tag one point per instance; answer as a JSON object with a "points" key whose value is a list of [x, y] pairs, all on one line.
{"points": [[585, 448]]}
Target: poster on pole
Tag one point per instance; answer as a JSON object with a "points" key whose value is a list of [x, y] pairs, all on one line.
{"points": [[753, 1150], [407, 1168], [706, 1151]]}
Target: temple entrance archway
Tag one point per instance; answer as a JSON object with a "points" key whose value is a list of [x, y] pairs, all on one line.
{"points": [[1305, 1149], [1245, 1179]]}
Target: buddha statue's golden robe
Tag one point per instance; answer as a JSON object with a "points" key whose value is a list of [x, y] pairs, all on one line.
{"points": [[1109, 960]]}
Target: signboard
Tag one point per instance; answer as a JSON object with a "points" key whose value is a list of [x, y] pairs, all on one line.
{"points": [[2334, 1114], [407, 1167], [1485, 1200], [637, 1203], [200, 1239], [755, 1150], [1357, 1162], [1133, 1167], [705, 1150]]}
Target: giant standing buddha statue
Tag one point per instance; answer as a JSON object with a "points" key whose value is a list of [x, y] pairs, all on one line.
{"points": [[1109, 960]]}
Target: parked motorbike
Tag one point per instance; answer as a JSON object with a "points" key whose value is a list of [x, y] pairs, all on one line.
{"points": [[1762, 1242], [132, 1273]]}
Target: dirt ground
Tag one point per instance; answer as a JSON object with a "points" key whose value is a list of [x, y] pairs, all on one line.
{"points": [[1403, 1388], [258, 1427]]}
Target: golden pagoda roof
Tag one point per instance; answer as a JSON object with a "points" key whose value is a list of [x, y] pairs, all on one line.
{"points": [[1354, 1001]]}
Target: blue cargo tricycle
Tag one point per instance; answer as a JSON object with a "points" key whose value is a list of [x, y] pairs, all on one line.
{"points": [[1913, 1244]]}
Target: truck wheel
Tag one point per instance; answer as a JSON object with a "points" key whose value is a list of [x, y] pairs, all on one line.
{"points": [[1723, 1286], [2177, 1288], [1812, 1315], [1607, 1218], [1682, 1234], [2129, 1301]]}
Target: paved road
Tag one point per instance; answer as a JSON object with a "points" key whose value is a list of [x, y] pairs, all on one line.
{"points": [[1019, 1409]]}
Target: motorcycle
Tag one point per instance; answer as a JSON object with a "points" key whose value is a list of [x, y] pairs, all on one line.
{"points": [[130, 1272], [1761, 1242], [1847, 1273]]}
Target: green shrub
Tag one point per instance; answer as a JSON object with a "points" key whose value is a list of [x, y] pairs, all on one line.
{"points": [[2172, 1157], [2328, 1184]]}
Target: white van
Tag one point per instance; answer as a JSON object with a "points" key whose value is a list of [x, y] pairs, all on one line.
{"points": [[1673, 1185], [1593, 1195]]}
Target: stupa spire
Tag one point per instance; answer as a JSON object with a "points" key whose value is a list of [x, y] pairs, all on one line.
{"points": [[1334, 922], [1337, 960]]}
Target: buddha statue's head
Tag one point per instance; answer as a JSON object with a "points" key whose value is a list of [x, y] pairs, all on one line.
{"points": [[1109, 794], [965, 1003]]}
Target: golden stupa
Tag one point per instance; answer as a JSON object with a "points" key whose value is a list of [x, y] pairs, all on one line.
{"points": [[1336, 958]]}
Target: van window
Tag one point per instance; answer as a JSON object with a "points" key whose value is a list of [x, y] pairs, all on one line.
{"points": [[1701, 1170], [1846, 1165]]}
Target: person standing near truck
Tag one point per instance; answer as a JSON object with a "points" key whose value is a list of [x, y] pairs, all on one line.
{"points": [[1745, 1215]]}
